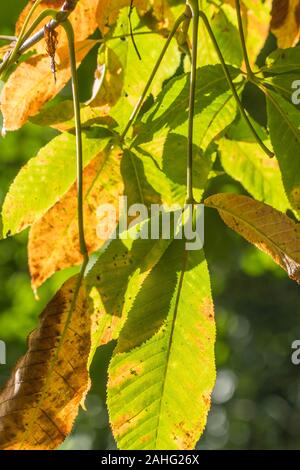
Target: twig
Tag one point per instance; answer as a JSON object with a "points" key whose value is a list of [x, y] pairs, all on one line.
{"points": [[131, 30], [61, 16]]}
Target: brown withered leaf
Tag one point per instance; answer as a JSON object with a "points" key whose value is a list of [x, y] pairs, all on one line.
{"points": [[83, 19], [40, 401], [31, 85], [53, 240], [285, 22], [270, 230]]}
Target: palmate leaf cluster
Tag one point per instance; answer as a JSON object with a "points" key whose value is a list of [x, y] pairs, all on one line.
{"points": [[152, 296]]}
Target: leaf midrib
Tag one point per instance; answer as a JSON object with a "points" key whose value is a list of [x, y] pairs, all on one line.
{"points": [[265, 237]]}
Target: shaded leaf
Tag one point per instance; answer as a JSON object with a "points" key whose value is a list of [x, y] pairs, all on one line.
{"points": [[40, 401], [257, 19], [83, 20], [268, 229], [54, 167], [168, 339]]}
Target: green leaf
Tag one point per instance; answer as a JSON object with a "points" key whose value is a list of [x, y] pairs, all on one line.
{"points": [[131, 73], [162, 371], [284, 124], [224, 24], [136, 185], [283, 60], [46, 177], [260, 175], [256, 21], [215, 107], [239, 130], [164, 168], [107, 281]]}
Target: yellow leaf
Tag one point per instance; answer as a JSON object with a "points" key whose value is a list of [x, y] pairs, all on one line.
{"points": [[40, 401], [32, 84], [108, 11], [4, 50], [83, 19], [256, 22], [270, 230], [258, 25], [109, 79], [285, 22], [53, 240]]}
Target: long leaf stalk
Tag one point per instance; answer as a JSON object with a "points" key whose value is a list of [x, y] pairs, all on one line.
{"points": [[205, 20], [82, 244], [250, 73]]}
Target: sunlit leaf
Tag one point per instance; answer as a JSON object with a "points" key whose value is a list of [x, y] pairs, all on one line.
{"points": [[159, 10], [268, 229], [161, 142], [60, 116], [53, 169], [40, 401], [32, 84], [260, 175], [285, 22], [257, 25], [123, 75], [224, 24], [168, 339], [83, 20], [108, 11]]}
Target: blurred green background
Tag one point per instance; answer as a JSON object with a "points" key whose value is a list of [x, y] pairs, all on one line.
{"points": [[256, 401]]}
